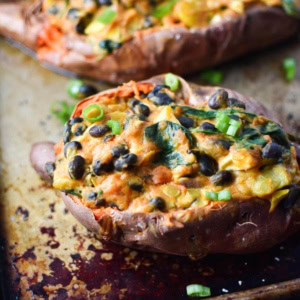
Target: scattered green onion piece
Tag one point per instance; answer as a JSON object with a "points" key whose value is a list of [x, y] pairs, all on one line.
{"points": [[100, 192], [291, 7], [212, 76], [222, 122], [172, 81], [164, 9], [62, 110], [115, 126], [107, 16], [224, 195], [235, 123], [289, 68], [93, 113], [73, 88], [198, 290], [211, 195], [232, 130]]}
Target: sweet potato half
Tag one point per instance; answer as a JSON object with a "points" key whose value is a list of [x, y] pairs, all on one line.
{"points": [[175, 45], [252, 219]]}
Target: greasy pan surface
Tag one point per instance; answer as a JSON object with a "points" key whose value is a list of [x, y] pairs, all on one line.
{"points": [[41, 256], [178, 50]]}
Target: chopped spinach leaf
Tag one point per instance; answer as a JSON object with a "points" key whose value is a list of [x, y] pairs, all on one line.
{"points": [[72, 192], [276, 133], [170, 159], [162, 135]]}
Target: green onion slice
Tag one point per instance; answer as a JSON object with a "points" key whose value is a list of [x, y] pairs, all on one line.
{"points": [[172, 81], [62, 110], [107, 16], [232, 130], [115, 126], [73, 88], [289, 68], [222, 122], [198, 290], [211, 196], [100, 192], [224, 195], [164, 9], [93, 113], [212, 76]]}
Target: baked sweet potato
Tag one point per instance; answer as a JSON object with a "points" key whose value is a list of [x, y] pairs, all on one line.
{"points": [[188, 172], [119, 41]]}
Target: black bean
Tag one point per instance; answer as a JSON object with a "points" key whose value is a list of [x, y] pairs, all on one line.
{"points": [[74, 145], [235, 102], [87, 90], [139, 108], [99, 167], [73, 14], [224, 144], [161, 99], [99, 130], [50, 168], [159, 87], [108, 138], [80, 129], [83, 23], [125, 161], [272, 151], [158, 203], [105, 2], [186, 122], [76, 167], [67, 133], [109, 45], [208, 126], [119, 150], [221, 178], [208, 165], [218, 99], [113, 205], [76, 120], [136, 186], [148, 22], [92, 196], [100, 202], [292, 197]]}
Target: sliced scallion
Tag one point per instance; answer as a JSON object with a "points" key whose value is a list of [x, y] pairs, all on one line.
{"points": [[163, 9], [73, 88], [172, 81], [93, 113], [232, 130], [211, 195], [222, 122], [224, 195], [115, 126], [198, 290], [62, 110], [107, 16], [289, 68], [212, 76]]}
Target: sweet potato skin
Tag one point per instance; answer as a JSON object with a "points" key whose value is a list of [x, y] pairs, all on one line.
{"points": [[178, 50], [235, 227]]}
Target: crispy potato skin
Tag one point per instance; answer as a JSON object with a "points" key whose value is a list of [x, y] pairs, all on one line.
{"points": [[235, 227], [178, 50]]}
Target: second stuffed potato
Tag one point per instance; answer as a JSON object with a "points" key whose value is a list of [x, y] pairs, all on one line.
{"points": [[118, 41]]}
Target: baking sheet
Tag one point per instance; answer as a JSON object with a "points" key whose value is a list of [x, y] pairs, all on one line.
{"points": [[51, 256]]}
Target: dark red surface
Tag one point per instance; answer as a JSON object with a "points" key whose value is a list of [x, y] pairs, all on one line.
{"points": [[166, 277]]}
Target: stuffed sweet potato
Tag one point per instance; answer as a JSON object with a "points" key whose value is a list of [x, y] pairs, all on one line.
{"points": [[192, 171], [118, 41]]}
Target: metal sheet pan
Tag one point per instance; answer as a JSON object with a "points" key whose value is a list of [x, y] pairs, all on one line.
{"points": [[49, 255]]}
